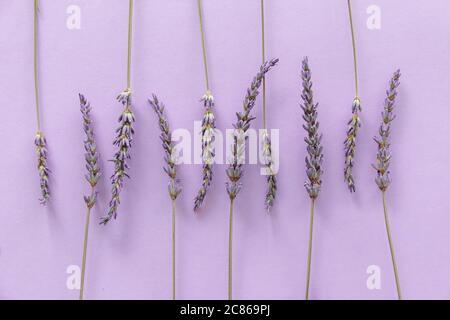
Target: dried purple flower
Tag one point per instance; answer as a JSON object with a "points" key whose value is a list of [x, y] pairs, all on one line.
{"points": [[41, 151], [91, 155], [382, 166], [92, 176], [208, 153], [168, 146], [313, 139], [235, 170], [350, 143], [383, 155], [123, 142], [268, 162]]}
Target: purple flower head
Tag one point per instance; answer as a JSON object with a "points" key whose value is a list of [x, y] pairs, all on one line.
{"points": [[91, 154], [313, 138], [174, 186], [244, 119], [383, 179]]}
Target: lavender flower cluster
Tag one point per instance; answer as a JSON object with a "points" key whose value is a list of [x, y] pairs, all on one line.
{"points": [[313, 139], [208, 153], [383, 155], [169, 148], [350, 143], [91, 155], [271, 179], [123, 142], [235, 170], [41, 152]]}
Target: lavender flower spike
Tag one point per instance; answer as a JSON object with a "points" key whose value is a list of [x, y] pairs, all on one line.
{"points": [[169, 148], [123, 142], [271, 178], [383, 155], [244, 119], [91, 155], [350, 143], [208, 127], [313, 139], [41, 152]]}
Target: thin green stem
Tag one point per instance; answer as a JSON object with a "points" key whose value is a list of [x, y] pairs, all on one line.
{"points": [[353, 45], [308, 272], [85, 245], [130, 37], [202, 33], [230, 253], [36, 78], [391, 246], [263, 47], [173, 248]]}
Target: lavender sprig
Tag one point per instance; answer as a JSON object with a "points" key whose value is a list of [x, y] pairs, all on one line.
{"points": [[350, 144], [314, 158], [41, 152], [244, 119], [92, 176], [123, 142], [91, 155], [174, 187], [382, 165], [313, 139], [271, 179], [383, 155], [208, 153], [170, 158]]}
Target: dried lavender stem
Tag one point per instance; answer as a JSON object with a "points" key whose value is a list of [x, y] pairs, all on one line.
{"points": [[235, 168], [263, 51], [355, 122], [391, 246], [174, 187], [92, 176], [130, 36], [36, 77], [39, 141], [202, 33], [230, 253], [208, 124], [308, 272], [85, 245], [383, 161], [173, 248], [314, 158], [267, 142], [355, 65]]}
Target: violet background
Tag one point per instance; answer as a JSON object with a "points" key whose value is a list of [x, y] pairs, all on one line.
{"points": [[130, 258]]}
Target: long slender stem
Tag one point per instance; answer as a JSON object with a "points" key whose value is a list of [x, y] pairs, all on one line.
{"points": [[130, 37], [173, 248], [353, 45], [36, 78], [202, 33], [263, 47], [308, 272], [85, 245], [391, 246], [230, 253]]}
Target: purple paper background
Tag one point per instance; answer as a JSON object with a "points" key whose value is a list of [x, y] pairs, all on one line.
{"points": [[130, 258]]}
